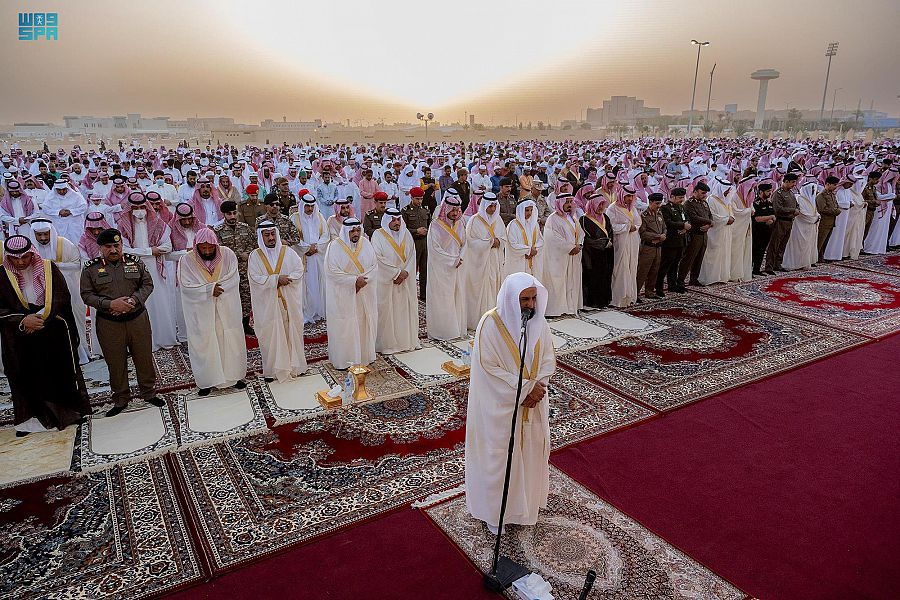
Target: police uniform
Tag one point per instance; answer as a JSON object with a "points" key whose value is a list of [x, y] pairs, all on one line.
{"points": [[416, 217], [249, 210], [102, 282], [372, 222], [287, 231], [242, 241]]}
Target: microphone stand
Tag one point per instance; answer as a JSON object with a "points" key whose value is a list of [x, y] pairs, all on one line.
{"points": [[504, 570]]}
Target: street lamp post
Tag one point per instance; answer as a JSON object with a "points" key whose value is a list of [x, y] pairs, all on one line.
{"points": [[426, 118], [709, 95], [694, 93], [830, 52]]}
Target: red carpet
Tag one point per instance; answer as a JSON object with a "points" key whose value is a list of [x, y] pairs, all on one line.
{"points": [[789, 487], [401, 555]]}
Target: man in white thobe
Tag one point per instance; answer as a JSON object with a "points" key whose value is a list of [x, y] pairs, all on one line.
{"points": [[741, 230], [208, 279], [351, 295], [445, 302], [275, 273], [483, 269], [834, 249], [563, 238], [314, 237], [16, 209], [67, 257], [146, 235], [65, 208], [801, 251], [492, 403], [625, 220], [398, 307], [524, 242], [716, 266], [876, 240], [856, 223]]}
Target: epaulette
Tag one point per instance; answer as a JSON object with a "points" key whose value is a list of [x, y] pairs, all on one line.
{"points": [[131, 257], [93, 261]]}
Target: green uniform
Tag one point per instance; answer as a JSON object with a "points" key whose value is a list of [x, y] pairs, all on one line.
{"points": [[286, 229], [416, 217], [241, 239], [101, 283]]}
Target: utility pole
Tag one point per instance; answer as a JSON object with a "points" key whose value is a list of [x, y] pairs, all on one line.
{"points": [[709, 95], [694, 92]]}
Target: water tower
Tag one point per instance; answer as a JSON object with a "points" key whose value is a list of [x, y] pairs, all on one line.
{"points": [[763, 76]]}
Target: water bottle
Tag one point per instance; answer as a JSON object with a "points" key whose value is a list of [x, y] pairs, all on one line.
{"points": [[347, 396], [467, 358]]}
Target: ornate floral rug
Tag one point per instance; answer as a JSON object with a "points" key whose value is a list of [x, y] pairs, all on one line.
{"points": [[578, 531], [888, 264], [711, 345], [259, 494], [854, 300], [116, 534]]}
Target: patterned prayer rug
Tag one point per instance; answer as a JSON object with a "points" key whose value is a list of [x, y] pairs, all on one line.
{"points": [[223, 414], [576, 532], [888, 264], [116, 534], [258, 494], [138, 433], [592, 328], [35, 456], [854, 300], [711, 346], [383, 382]]}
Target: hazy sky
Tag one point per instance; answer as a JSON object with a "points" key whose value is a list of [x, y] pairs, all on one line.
{"points": [[502, 60]]}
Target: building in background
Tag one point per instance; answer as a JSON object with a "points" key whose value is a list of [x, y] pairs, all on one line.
{"points": [[621, 110]]}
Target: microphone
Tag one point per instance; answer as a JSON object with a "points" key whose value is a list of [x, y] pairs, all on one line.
{"points": [[588, 584], [527, 313]]}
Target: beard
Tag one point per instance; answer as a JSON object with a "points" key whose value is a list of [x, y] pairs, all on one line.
{"points": [[209, 256]]}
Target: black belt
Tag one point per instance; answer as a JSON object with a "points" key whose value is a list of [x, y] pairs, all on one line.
{"points": [[788, 219], [121, 318], [649, 245]]}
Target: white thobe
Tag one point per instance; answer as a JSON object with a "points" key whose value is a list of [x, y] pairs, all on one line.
{"points": [[801, 251], [161, 302], [492, 398], [217, 347], [172, 259], [11, 221], [277, 312], [562, 270], [67, 258], [483, 267], [877, 238], [398, 305], [445, 305], [519, 242], [834, 249], [741, 241], [626, 248], [70, 227], [353, 320], [314, 266], [856, 225], [716, 266]]}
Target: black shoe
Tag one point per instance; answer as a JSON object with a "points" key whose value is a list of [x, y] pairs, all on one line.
{"points": [[638, 301], [241, 384], [781, 270], [769, 272], [156, 401], [204, 391], [757, 272], [268, 379], [22, 433], [114, 411], [679, 289], [660, 294]]}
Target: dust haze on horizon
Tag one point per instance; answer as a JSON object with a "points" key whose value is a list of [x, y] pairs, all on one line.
{"points": [[503, 61]]}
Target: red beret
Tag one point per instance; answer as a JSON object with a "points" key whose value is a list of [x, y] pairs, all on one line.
{"points": [[302, 192], [417, 192], [380, 196], [252, 189]]}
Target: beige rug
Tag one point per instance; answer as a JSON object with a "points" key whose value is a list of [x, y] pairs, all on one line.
{"points": [[35, 456]]}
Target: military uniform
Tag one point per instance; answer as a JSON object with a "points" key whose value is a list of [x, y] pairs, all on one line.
{"points": [[416, 217], [507, 208], [372, 222], [784, 203], [673, 247], [649, 254], [101, 283], [871, 197], [249, 210], [286, 229], [698, 214], [241, 239]]}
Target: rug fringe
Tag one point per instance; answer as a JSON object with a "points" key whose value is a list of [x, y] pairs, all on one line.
{"points": [[439, 497], [18, 482], [299, 418], [125, 461], [221, 438]]}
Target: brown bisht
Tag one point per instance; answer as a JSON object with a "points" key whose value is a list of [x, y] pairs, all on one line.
{"points": [[42, 367]]}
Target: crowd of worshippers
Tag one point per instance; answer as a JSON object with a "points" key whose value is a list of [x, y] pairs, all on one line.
{"points": [[157, 247]]}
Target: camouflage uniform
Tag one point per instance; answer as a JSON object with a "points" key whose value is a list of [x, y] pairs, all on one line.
{"points": [[242, 241], [286, 229]]}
